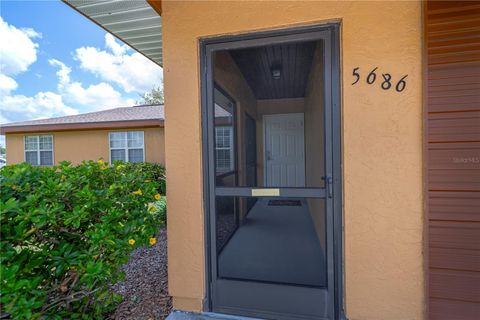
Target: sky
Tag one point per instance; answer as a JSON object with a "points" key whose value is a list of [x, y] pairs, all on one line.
{"points": [[55, 62]]}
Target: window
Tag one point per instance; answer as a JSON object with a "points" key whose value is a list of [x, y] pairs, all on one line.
{"points": [[224, 137], [127, 146], [39, 150], [224, 149]]}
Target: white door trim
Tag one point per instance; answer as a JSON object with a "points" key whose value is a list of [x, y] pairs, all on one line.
{"points": [[264, 123]]}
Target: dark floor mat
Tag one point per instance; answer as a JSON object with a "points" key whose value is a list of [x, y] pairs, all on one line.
{"points": [[290, 203]]}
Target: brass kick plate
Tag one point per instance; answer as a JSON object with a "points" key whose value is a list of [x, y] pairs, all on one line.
{"points": [[265, 192]]}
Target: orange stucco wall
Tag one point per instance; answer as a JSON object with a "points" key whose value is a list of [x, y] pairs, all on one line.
{"points": [[76, 146], [382, 145]]}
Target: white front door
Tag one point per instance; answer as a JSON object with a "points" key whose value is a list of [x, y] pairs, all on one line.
{"points": [[284, 150]]}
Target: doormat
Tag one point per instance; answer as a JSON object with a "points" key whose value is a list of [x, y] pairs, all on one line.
{"points": [[290, 203]]}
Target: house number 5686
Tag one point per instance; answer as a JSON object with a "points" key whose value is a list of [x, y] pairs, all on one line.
{"points": [[386, 82]]}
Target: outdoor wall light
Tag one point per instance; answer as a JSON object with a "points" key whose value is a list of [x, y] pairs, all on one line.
{"points": [[276, 72]]}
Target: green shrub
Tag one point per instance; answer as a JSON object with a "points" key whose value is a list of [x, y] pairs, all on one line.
{"points": [[153, 171], [65, 233]]}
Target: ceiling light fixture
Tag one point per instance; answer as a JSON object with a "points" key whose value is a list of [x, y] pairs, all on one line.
{"points": [[276, 72]]}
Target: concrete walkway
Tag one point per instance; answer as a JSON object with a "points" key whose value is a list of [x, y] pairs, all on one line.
{"points": [[275, 244], [182, 315]]}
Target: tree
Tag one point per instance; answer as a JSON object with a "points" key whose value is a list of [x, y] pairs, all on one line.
{"points": [[154, 96]]}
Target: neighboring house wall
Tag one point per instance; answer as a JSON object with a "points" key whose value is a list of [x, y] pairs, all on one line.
{"points": [[382, 145], [76, 146]]}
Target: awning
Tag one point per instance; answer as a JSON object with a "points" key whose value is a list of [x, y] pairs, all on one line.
{"points": [[135, 22]]}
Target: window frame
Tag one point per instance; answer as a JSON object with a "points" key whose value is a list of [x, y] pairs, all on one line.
{"points": [[126, 148], [231, 149], [226, 102], [38, 150]]}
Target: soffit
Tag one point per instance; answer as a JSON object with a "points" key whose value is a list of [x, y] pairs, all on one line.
{"points": [[134, 22]]}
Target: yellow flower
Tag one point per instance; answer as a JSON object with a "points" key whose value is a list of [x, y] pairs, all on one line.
{"points": [[138, 192], [100, 162], [131, 242], [62, 177], [103, 167], [153, 241], [152, 208], [147, 181], [158, 196]]}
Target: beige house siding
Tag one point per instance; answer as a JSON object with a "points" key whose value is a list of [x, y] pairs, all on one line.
{"points": [[382, 145], [76, 146]]}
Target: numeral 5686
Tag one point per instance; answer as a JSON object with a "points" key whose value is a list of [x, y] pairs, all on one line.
{"points": [[386, 82]]}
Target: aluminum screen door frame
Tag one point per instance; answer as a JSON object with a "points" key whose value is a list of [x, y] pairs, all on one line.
{"points": [[332, 298]]}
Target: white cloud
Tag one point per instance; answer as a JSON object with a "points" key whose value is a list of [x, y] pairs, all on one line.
{"points": [[17, 53], [17, 50], [7, 85], [63, 72], [31, 33], [112, 44], [115, 65], [2, 118], [96, 97], [133, 72], [41, 105]]}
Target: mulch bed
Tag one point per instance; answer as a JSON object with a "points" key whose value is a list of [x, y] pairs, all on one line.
{"points": [[145, 286]]}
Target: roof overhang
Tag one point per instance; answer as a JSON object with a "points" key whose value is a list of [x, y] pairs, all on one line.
{"points": [[104, 125], [137, 23]]}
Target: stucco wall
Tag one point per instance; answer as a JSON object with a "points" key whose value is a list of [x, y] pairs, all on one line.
{"points": [[381, 135], [76, 146]]}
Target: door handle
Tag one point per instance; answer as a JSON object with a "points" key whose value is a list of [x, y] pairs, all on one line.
{"points": [[328, 185]]}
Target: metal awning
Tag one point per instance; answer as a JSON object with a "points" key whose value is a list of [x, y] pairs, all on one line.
{"points": [[134, 22]]}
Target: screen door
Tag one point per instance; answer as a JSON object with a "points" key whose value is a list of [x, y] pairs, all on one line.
{"points": [[272, 245]]}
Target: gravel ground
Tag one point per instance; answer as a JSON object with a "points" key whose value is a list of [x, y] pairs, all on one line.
{"points": [[145, 286], [225, 227]]}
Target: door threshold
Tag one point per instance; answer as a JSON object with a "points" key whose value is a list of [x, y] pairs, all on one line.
{"points": [[184, 315]]}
